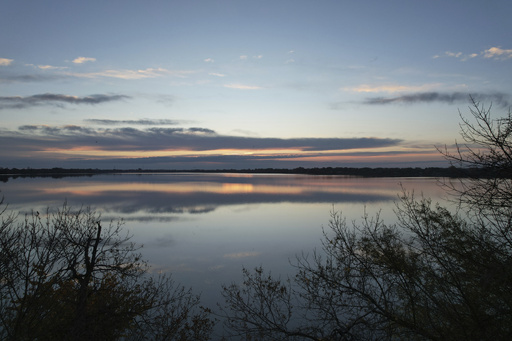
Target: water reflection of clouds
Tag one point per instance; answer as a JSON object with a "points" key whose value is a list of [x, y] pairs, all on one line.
{"points": [[146, 219], [156, 197], [163, 241], [239, 255], [300, 188], [216, 268], [203, 228], [153, 205]]}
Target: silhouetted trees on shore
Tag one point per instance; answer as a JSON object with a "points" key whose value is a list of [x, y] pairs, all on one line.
{"points": [[437, 172], [65, 275], [434, 275]]}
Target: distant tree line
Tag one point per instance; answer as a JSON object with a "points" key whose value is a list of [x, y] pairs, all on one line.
{"points": [[438, 172]]}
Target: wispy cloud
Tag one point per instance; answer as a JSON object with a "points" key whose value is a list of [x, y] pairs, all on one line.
{"points": [[245, 57], [391, 88], [499, 99], [209, 60], [81, 60], [62, 72], [31, 78], [202, 131], [19, 102], [51, 67], [133, 74], [242, 86], [46, 130], [498, 53], [453, 54], [143, 122], [242, 255], [462, 56], [5, 61], [217, 74]]}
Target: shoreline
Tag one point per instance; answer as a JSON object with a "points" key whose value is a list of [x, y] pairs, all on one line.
{"points": [[437, 172]]}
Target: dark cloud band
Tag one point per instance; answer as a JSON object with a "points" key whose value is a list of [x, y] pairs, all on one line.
{"points": [[499, 99], [192, 139], [19, 102], [142, 122], [30, 78]]}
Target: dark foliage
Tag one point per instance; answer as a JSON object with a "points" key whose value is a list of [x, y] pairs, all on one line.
{"points": [[437, 274], [65, 276]]}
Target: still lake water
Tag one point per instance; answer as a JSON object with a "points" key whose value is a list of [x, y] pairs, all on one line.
{"points": [[205, 227]]}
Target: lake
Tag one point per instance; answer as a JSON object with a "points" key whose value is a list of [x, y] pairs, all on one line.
{"points": [[205, 227]]}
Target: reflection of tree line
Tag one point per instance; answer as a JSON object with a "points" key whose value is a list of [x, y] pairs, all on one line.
{"points": [[59, 173], [451, 172]]}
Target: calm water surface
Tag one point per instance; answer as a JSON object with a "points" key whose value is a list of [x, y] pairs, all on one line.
{"points": [[205, 227]]}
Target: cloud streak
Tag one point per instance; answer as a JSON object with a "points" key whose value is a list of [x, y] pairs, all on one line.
{"points": [[494, 52], [391, 88], [51, 73], [81, 60], [143, 122], [462, 56], [499, 99], [51, 67], [498, 53], [133, 74], [31, 78], [19, 102], [5, 61], [242, 87]]}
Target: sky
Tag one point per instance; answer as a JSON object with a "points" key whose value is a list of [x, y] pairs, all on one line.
{"points": [[241, 84]]}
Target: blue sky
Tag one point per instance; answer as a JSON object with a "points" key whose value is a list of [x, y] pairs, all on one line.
{"points": [[245, 84]]}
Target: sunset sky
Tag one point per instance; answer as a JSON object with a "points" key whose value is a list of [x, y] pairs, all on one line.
{"points": [[245, 84]]}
